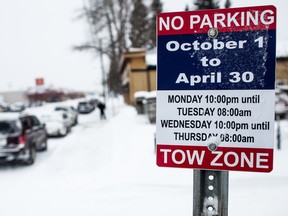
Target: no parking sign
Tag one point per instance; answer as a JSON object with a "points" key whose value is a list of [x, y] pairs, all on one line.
{"points": [[215, 89]]}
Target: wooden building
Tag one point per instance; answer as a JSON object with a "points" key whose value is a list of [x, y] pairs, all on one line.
{"points": [[282, 68], [137, 74]]}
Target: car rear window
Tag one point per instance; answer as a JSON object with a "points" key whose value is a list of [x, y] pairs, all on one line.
{"points": [[60, 109], [83, 103], [8, 126]]}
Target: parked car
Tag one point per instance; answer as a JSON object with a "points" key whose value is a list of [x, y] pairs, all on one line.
{"points": [[71, 112], [85, 107], [17, 107], [21, 136], [57, 122], [94, 102], [4, 107]]}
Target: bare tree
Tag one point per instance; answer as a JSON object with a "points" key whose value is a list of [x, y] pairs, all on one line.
{"points": [[108, 20]]}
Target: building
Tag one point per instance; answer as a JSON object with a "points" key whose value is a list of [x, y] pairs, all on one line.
{"points": [[39, 94], [51, 94], [138, 73], [282, 60], [282, 68], [11, 97]]}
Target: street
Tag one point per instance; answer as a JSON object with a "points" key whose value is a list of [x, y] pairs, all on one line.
{"points": [[108, 168]]}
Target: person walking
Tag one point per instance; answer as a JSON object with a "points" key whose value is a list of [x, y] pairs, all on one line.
{"points": [[102, 108]]}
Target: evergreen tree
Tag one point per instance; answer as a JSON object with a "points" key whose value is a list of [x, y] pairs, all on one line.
{"points": [[206, 4], [155, 8], [139, 25], [210, 4], [228, 4]]}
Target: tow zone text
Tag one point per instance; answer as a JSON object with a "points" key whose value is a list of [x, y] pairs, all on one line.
{"points": [[246, 159]]}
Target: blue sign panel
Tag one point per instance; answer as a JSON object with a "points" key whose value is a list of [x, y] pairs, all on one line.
{"points": [[232, 61]]}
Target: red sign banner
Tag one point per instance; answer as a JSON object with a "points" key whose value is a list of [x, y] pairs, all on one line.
{"points": [[234, 19], [245, 159]]}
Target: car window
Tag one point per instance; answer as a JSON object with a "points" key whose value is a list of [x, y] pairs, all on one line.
{"points": [[65, 116], [60, 109], [5, 127], [34, 121], [9, 126], [26, 123]]}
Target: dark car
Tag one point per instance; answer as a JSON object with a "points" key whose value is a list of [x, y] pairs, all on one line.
{"points": [[85, 107], [21, 136], [94, 102]]}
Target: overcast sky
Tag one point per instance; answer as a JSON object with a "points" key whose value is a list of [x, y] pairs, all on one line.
{"points": [[37, 37]]}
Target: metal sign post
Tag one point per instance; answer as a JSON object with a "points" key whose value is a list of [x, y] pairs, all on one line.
{"points": [[210, 193], [215, 97]]}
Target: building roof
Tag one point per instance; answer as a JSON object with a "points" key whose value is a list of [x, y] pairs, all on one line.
{"points": [[151, 57], [131, 52], [282, 49]]}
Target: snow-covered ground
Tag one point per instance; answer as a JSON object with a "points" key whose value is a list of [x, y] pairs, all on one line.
{"points": [[108, 168]]}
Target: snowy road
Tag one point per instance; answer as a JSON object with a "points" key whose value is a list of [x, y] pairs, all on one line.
{"points": [[107, 168]]}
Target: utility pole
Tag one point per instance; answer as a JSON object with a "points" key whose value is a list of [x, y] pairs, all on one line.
{"points": [[103, 70]]}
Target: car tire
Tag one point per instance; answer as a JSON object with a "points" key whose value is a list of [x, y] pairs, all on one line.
{"points": [[31, 155], [44, 145], [75, 121]]}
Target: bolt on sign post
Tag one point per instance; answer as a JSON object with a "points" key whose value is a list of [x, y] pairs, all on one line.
{"points": [[215, 95]]}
